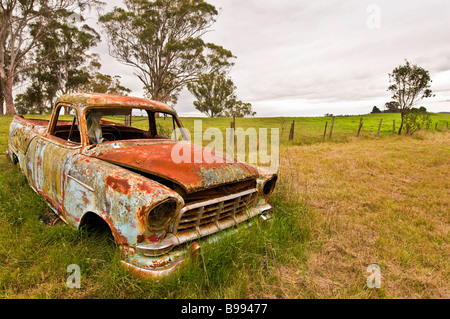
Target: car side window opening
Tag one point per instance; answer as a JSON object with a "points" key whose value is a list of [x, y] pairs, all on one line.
{"points": [[167, 127], [65, 126], [94, 130]]}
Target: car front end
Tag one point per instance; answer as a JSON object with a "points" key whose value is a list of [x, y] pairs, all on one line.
{"points": [[196, 223]]}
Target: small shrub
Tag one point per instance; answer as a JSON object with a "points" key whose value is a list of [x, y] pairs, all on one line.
{"points": [[415, 120]]}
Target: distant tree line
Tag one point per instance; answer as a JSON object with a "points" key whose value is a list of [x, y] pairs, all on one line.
{"points": [[392, 107]]}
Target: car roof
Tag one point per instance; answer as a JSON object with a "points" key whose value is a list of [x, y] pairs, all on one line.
{"points": [[88, 100]]}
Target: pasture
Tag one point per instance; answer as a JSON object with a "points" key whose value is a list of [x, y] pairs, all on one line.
{"points": [[340, 205]]}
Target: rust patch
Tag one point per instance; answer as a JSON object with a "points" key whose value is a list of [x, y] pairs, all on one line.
{"points": [[141, 215], [155, 238], [144, 187], [161, 263], [118, 184], [85, 198], [118, 237], [156, 159]]}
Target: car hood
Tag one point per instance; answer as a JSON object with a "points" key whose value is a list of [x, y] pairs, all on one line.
{"points": [[199, 169]]}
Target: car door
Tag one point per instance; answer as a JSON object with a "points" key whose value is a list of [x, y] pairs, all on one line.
{"points": [[50, 155]]}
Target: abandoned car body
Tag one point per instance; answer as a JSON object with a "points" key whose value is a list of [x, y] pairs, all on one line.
{"points": [[93, 166]]}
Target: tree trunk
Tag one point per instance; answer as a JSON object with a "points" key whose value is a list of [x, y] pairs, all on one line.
{"points": [[1, 101], [401, 125], [8, 96], [2, 96]]}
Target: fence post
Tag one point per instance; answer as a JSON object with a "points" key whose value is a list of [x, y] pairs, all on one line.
{"points": [[393, 128], [291, 133], [360, 125], [435, 126], [232, 128], [325, 131], [331, 127], [379, 127]]}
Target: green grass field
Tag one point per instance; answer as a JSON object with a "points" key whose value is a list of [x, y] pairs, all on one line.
{"points": [[311, 129], [307, 130], [339, 206]]}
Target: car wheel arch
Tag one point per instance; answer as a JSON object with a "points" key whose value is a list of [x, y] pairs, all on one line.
{"points": [[94, 222]]}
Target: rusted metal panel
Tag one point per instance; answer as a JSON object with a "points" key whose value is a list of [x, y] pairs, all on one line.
{"points": [[117, 195], [155, 158], [123, 182]]}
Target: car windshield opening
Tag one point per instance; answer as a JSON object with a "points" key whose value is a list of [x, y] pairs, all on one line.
{"points": [[116, 124]]}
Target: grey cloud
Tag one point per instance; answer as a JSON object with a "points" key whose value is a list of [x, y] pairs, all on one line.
{"points": [[321, 51]]}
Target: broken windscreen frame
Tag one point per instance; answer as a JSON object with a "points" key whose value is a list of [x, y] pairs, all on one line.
{"points": [[107, 124]]}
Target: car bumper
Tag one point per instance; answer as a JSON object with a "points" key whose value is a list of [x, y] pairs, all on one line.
{"points": [[142, 264]]}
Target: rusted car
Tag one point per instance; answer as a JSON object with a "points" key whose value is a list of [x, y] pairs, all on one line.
{"points": [[91, 168]]}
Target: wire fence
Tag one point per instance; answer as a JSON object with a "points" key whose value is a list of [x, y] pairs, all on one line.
{"points": [[335, 128], [301, 130]]}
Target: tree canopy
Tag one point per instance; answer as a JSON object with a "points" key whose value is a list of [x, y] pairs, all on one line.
{"points": [[216, 96], [62, 66], [375, 109], [214, 93], [409, 85], [23, 23], [392, 107], [162, 41]]}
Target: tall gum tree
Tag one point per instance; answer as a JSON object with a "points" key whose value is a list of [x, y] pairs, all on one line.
{"points": [[162, 41], [214, 92], [216, 96], [22, 24]]}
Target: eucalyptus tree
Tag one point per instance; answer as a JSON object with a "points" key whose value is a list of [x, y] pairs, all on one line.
{"points": [[239, 109], [22, 24], [162, 41], [214, 93], [409, 85], [62, 61], [104, 83], [61, 64]]}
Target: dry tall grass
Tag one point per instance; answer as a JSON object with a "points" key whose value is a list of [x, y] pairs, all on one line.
{"points": [[379, 201]]}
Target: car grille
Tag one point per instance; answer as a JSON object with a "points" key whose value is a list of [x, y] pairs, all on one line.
{"points": [[210, 216]]}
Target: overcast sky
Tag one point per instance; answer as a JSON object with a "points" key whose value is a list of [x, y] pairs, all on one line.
{"points": [[311, 57]]}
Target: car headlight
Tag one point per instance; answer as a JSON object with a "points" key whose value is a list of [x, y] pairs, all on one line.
{"points": [[269, 185], [160, 216]]}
